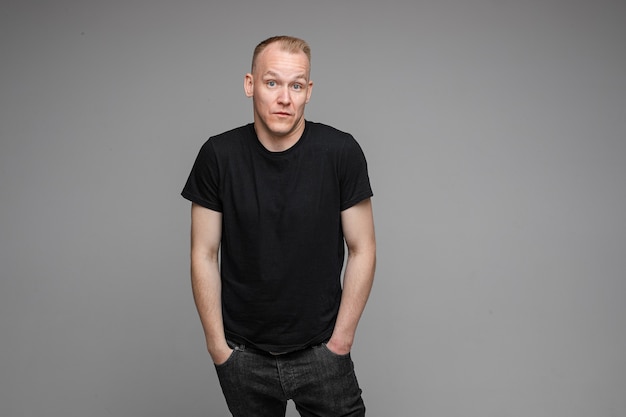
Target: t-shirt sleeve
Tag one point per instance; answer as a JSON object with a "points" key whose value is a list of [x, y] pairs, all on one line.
{"points": [[202, 186], [354, 178]]}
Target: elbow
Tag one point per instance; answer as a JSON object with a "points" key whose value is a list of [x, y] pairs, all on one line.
{"points": [[364, 254]]}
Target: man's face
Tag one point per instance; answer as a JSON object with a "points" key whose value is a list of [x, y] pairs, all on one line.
{"points": [[280, 88]]}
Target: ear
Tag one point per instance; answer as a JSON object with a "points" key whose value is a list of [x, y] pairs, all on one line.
{"points": [[248, 85], [309, 91]]}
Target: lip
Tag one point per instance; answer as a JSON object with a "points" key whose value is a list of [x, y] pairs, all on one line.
{"points": [[282, 114]]}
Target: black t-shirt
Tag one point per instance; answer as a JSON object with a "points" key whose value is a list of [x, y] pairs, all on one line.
{"points": [[282, 248]]}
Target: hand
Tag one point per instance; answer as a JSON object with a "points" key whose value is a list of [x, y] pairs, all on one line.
{"points": [[220, 357], [338, 348]]}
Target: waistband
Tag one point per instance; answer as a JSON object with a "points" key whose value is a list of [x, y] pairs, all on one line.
{"points": [[243, 347]]}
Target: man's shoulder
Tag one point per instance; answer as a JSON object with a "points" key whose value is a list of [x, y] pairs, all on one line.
{"points": [[229, 140], [330, 137], [237, 132], [326, 130]]}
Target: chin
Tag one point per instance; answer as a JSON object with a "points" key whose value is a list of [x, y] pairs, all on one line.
{"points": [[281, 129], [280, 133]]}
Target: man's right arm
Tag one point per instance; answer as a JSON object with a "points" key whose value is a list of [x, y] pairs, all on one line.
{"points": [[206, 234]]}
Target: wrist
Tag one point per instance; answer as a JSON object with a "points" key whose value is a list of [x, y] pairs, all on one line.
{"points": [[217, 346], [220, 353], [339, 345]]}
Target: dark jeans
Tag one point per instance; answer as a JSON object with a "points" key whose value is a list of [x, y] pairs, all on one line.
{"points": [[320, 383]]}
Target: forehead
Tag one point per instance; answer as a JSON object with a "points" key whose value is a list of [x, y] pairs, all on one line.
{"points": [[274, 58]]}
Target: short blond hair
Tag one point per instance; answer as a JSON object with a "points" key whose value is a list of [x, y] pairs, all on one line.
{"points": [[287, 43]]}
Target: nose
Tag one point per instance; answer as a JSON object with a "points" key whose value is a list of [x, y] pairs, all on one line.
{"points": [[284, 96]]}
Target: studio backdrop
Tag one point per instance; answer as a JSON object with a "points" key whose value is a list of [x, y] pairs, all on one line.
{"points": [[495, 132]]}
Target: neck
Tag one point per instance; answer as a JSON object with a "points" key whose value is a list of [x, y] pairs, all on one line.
{"points": [[278, 143]]}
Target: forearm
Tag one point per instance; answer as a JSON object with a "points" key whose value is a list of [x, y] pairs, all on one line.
{"points": [[206, 287], [357, 284]]}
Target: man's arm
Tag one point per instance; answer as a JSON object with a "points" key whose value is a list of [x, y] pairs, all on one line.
{"points": [[358, 229], [206, 234]]}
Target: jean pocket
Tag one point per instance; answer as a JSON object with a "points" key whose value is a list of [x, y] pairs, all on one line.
{"points": [[325, 347], [228, 361]]}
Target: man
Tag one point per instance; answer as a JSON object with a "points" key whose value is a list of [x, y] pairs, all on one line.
{"points": [[277, 199]]}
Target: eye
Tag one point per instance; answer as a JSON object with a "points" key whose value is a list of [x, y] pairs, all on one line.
{"points": [[271, 83], [297, 86]]}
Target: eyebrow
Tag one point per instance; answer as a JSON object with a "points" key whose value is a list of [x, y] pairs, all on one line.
{"points": [[276, 75]]}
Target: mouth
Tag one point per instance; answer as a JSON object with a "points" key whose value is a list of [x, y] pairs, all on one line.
{"points": [[282, 114]]}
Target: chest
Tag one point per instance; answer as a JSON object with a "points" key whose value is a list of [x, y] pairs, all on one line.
{"points": [[300, 188]]}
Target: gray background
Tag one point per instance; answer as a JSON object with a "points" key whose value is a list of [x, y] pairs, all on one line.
{"points": [[495, 133]]}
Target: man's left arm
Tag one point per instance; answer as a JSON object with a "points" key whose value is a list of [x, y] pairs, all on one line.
{"points": [[358, 230]]}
